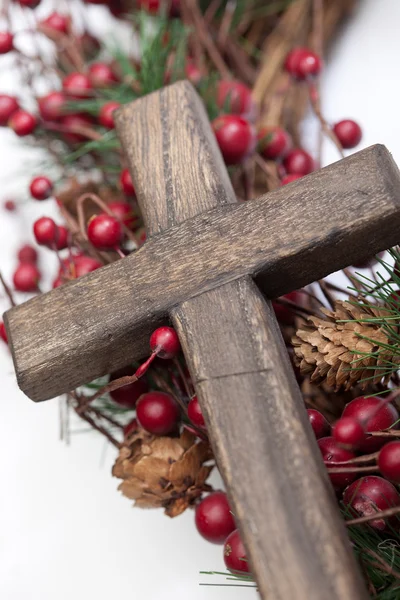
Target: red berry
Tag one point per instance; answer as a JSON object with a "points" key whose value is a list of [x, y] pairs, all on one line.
{"points": [[22, 122], [3, 332], [10, 205], [130, 427], [26, 277], [374, 415], [101, 75], [319, 424], [298, 162], [62, 236], [213, 518], [57, 282], [77, 85], [349, 433], [45, 231], [51, 106], [234, 97], [348, 133], [41, 188], [194, 412], [8, 106], [273, 142], [290, 178], [6, 42], [303, 63], [27, 254], [164, 342], [29, 3], [193, 72], [106, 114], [235, 554], [285, 314], [75, 122], [332, 452], [104, 231], [85, 264], [124, 212], [129, 394], [235, 136], [127, 183], [157, 412], [389, 461], [155, 6], [57, 22], [370, 494]]}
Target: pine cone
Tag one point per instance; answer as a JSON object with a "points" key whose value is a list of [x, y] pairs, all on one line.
{"points": [[344, 354], [163, 471]]}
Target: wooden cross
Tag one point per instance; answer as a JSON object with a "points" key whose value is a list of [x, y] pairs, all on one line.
{"points": [[207, 265]]}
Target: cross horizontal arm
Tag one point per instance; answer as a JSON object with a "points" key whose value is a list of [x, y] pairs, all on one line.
{"points": [[287, 239]]}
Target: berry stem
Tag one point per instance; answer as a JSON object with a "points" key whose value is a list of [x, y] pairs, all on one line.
{"points": [[119, 252], [110, 387], [7, 290], [370, 469], [76, 234], [316, 106], [387, 433], [143, 367], [381, 514], [356, 460], [185, 382], [87, 132]]}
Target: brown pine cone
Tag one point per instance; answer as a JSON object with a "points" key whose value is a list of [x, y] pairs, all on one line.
{"points": [[344, 350], [166, 472]]}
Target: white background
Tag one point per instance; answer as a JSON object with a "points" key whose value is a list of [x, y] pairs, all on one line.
{"points": [[65, 532]]}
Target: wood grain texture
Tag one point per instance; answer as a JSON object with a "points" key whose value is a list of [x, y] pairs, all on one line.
{"points": [[173, 156], [262, 439], [231, 334], [337, 216]]}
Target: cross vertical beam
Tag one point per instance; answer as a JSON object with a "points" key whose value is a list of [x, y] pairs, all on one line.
{"points": [[276, 480]]}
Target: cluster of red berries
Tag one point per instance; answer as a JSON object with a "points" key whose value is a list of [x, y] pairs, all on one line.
{"points": [[159, 414], [48, 233], [215, 523], [353, 437], [27, 276], [238, 139]]}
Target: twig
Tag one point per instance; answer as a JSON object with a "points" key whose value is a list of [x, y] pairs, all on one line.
{"points": [[92, 423], [110, 387], [371, 469], [382, 514], [325, 290], [206, 39], [316, 106], [226, 23], [178, 366], [384, 566], [211, 10], [7, 290]]}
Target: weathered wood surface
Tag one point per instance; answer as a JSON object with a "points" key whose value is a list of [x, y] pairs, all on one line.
{"points": [[264, 446], [288, 238], [254, 411]]}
